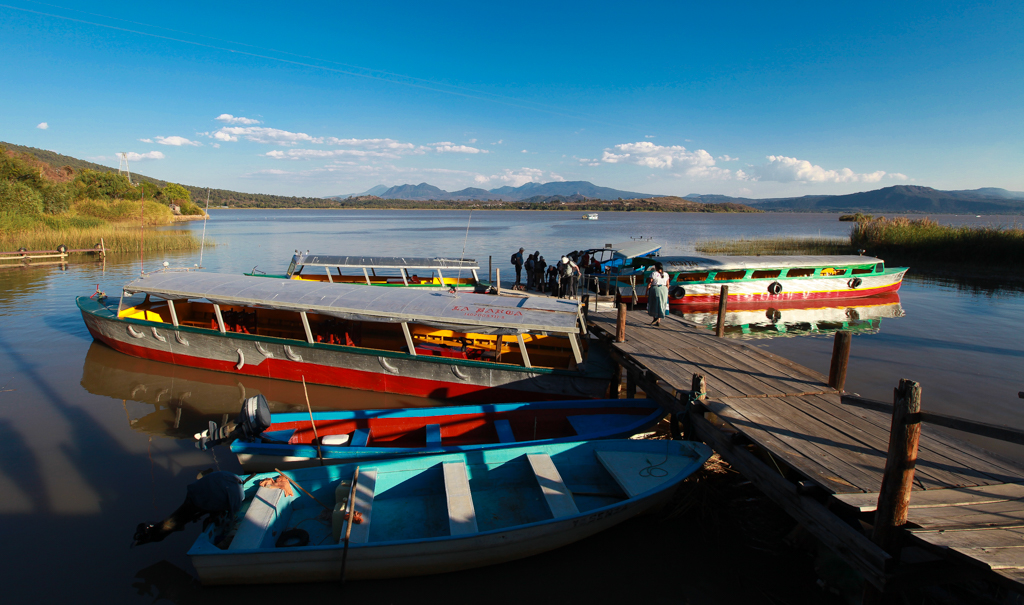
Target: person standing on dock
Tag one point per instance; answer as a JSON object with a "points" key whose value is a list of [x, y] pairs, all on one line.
{"points": [[538, 272], [657, 294], [517, 262], [530, 260]]}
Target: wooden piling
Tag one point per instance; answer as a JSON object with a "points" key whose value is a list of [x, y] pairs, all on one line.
{"points": [[630, 385], [698, 392], [616, 382], [620, 325], [497, 280], [723, 298], [898, 477], [489, 270], [840, 359]]}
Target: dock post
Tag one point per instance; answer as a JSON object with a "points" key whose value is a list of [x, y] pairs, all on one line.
{"points": [[616, 383], [898, 477], [840, 359], [497, 281], [630, 384], [723, 298], [698, 392], [620, 324]]}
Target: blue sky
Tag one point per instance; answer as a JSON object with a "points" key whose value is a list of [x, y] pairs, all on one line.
{"points": [[748, 99]]}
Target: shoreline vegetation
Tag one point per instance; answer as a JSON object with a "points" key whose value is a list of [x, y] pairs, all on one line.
{"points": [[43, 207], [923, 245]]}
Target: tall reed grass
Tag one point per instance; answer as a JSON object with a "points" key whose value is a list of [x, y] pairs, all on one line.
{"points": [[901, 239], [776, 246], [116, 238]]}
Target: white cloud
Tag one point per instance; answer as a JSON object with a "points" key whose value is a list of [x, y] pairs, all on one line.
{"points": [[449, 147], [176, 141], [897, 176], [648, 154], [524, 151], [261, 134], [42, 126], [498, 142], [372, 143], [305, 154], [727, 158], [139, 157], [227, 118], [146, 140], [784, 169], [648, 136], [471, 141], [519, 177], [215, 145]]}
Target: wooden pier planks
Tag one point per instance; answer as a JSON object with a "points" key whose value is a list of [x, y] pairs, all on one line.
{"points": [[966, 501]]}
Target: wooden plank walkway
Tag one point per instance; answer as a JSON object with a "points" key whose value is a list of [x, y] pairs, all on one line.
{"points": [[792, 414]]}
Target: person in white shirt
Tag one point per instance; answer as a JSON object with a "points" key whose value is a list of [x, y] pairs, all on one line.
{"points": [[657, 294]]}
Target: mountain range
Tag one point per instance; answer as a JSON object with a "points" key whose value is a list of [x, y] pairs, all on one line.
{"points": [[425, 191], [899, 198]]}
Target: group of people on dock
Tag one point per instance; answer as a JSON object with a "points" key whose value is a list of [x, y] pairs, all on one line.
{"points": [[561, 279]]}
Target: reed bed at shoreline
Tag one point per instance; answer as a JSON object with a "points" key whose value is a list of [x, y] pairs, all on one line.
{"points": [[116, 238], [776, 246], [925, 240]]}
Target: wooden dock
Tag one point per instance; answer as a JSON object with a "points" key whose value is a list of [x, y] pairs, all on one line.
{"points": [[35, 258], [820, 455]]}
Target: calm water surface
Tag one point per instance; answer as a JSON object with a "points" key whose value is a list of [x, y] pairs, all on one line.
{"points": [[93, 442]]}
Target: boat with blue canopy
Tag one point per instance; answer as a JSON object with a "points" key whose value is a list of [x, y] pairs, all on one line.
{"points": [[422, 273]]}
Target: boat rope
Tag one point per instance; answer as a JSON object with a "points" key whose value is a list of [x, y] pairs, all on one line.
{"points": [[655, 470], [455, 288], [202, 244]]}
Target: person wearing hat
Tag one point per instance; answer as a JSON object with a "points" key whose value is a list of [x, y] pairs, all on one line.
{"points": [[517, 262], [570, 272]]}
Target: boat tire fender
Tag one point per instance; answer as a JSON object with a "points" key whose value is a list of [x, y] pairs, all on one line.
{"points": [[135, 333], [62, 249], [774, 288], [459, 373], [390, 369], [677, 292], [241, 359], [288, 353], [180, 339], [262, 351], [157, 335], [854, 283]]}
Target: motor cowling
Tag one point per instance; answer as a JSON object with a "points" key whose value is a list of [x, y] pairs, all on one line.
{"points": [[252, 420]]}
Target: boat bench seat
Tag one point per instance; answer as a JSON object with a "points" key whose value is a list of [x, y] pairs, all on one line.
{"points": [[262, 513], [433, 435], [461, 512], [360, 437], [504, 429], [555, 492]]}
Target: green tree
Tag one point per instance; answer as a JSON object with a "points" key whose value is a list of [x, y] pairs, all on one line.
{"points": [[174, 192]]}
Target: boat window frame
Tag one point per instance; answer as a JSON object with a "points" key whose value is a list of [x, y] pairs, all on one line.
{"points": [[742, 272], [813, 271]]}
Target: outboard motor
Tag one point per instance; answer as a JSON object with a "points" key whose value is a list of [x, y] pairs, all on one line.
{"points": [[252, 420]]}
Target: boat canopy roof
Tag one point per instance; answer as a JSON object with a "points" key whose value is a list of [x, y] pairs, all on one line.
{"points": [[462, 312], [632, 249], [384, 262], [728, 263]]}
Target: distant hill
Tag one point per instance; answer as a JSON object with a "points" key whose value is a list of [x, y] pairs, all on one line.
{"points": [[374, 191], [899, 198], [531, 191]]}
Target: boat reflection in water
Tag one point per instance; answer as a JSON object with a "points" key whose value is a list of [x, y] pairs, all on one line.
{"points": [[181, 401], [799, 317]]}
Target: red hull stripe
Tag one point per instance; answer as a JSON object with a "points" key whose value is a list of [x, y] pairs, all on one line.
{"points": [[284, 369], [832, 294]]}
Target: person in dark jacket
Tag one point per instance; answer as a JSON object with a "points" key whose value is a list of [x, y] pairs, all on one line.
{"points": [[538, 272], [530, 260], [553, 280], [517, 262]]}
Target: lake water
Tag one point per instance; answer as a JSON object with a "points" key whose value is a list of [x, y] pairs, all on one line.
{"points": [[93, 442]]}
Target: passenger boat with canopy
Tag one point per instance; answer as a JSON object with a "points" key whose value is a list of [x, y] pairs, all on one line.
{"points": [[618, 258], [298, 439], [437, 513], [698, 279], [470, 347], [388, 271]]}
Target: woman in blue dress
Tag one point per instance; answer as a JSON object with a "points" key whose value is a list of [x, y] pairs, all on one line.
{"points": [[657, 294]]}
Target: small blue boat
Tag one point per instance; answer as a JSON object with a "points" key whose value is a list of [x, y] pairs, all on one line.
{"points": [[441, 512], [350, 435]]}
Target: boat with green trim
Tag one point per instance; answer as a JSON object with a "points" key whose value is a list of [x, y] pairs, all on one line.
{"points": [[420, 273], [468, 347], [698, 279]]}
